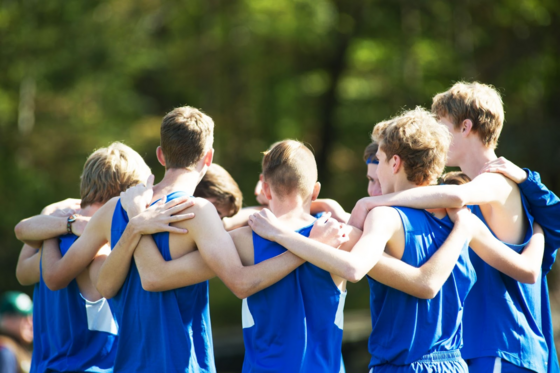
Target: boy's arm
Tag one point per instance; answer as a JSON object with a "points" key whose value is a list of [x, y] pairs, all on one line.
{"points": [[156, 218], [381, 224], [484, 189], [524, 267], [27, 269], [544, 204], [425, 281], [59, 270], [50, 224], [160, 275], [332, 206], [241, 218], [218, 251]]}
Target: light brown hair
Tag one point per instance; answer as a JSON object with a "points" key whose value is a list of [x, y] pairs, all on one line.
{"points": [[370, 151], [454, 178], [218, 184], [290, 166], [110, 171], [186, 135], [417, 138], [480, 103]]}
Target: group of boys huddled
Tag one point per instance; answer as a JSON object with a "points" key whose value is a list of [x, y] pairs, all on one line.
{"points": [[121, 275]]}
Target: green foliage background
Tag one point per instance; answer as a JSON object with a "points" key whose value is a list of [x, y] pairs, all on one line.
{"points": [[77, 75]]}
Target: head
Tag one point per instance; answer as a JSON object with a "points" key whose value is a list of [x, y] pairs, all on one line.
{"points": [[370, 157], [454, 178], [412, 150], [187, 135], [16, 316], [110, 171], [220, 188], [473, 113], [290, 171]]}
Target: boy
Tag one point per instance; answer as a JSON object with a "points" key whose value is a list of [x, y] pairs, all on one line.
{"points": [[74, 327]]}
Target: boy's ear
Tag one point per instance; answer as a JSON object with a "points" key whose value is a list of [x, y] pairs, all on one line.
{"points": [[466, 127], [160, 157], [209, 157], [316, 190], [397, 163], [266, 190]]}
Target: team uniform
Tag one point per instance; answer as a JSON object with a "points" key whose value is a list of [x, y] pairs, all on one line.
{"points": [[165, 332], [503, 319], [70, 333], [420, 335], [296, 324], [545, 208]]}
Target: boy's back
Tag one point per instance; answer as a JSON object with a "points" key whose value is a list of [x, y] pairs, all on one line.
{"points": [[406, 328], [71, 332], [161, 331], [296, 324]]}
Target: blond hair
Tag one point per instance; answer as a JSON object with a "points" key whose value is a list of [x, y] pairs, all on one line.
{"points": [[218, 184], [421, 143], [480, 103], [110, 171], [290, 166], [186, 135]]}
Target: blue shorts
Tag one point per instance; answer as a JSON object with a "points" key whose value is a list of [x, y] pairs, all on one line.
{"points": [[494, 365], [436, 362]]}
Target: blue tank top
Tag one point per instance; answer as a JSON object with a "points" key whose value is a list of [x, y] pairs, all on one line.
{"points": [[503, 317], [406, 328], [296, 324], [71, 334], [164, 332]]}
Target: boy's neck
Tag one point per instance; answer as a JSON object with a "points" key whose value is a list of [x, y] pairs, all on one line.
{"points": [[89, 210], [177, 179], [290, 209], [475, 160]]}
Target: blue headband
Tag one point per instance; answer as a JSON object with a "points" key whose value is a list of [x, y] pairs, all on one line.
{"points": [[372, 160]]}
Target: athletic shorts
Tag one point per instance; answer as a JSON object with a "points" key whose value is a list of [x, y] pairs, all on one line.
{"points": [[436, 362], [494, 365]]}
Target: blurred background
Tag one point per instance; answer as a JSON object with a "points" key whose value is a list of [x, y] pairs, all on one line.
{"points": [[78, 75]]}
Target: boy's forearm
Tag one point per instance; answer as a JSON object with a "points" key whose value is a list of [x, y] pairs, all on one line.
{"points": [[264, 274], [115, 268], [27, 269], [39, 228]]}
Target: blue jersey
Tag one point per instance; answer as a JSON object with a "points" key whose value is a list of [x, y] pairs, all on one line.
{"points": [[296, 324], [545, 208], [70, 333], [406, 328], [164, 332], [503, 316]]}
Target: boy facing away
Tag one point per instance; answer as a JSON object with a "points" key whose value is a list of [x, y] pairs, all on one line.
{"points": [[74, 329]]}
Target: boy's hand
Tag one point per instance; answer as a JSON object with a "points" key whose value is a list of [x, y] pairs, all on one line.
{"points": [[157, 217], [463, 218], [329, 231], [359, 214], [506, 168], [137, 198], [79, 224], [265, 224]]}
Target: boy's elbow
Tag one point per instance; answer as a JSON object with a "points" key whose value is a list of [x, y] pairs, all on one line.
{"points": [[54, 282], [353, 274], [19, 230], [428, 291], [531, 277], [458, 199], [241, 289]]}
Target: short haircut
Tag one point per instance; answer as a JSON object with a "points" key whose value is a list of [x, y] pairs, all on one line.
{"points": [[454, 178], [290, 166], [186, 135], [480, 103], [110, 171], [218, 184], [369, 153], [417, 138]]}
